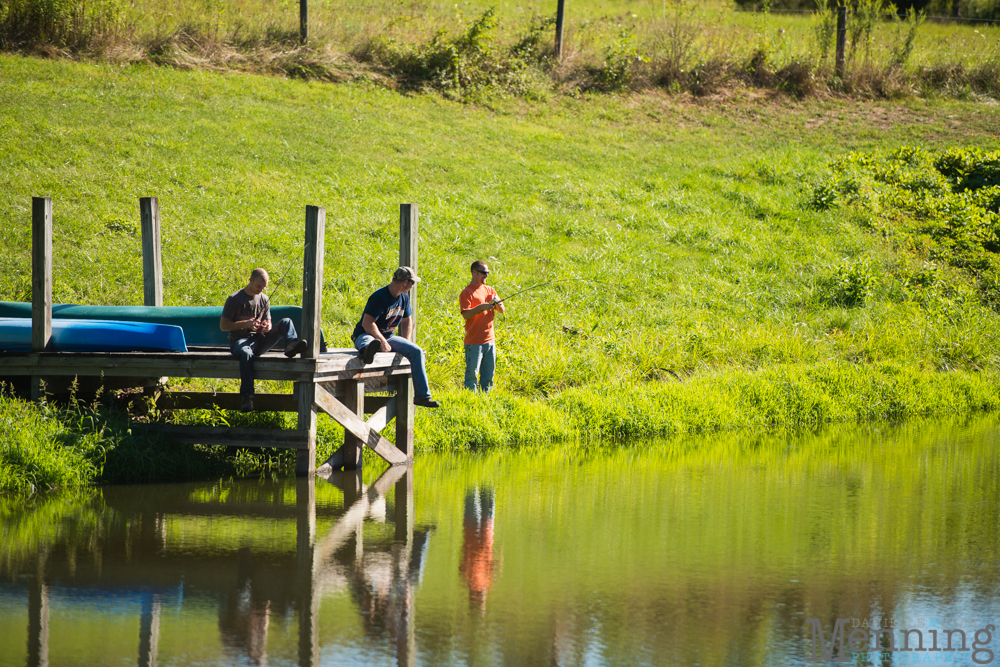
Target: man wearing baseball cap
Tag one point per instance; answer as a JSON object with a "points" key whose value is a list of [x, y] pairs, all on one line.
{"points": [[387, 309]]}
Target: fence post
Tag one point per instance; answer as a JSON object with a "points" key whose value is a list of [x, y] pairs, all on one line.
{"points": [[841, 39], [303, 21], [41, 282], [152, 264], [560, 16]]}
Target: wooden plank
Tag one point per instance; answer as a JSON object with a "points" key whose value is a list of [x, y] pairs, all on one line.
{"points": [[354, 400], [375, 403], [312, 279], [355, 425], [41, 273], [409, 216], [152, 264], [305, 459], [41, 284], [383, 415], [190, 400], [232, 436], [404, 416]]}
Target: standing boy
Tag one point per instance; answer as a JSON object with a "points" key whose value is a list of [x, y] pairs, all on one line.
{"points": [[479, 304]]}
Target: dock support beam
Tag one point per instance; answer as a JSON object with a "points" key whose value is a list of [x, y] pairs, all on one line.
{"points": [[152, 263], [41, 282], [355, 401]]}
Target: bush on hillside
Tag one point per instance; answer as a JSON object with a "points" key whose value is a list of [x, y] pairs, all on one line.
{"points": [[465, 65], [946, 208], [72, 24]]}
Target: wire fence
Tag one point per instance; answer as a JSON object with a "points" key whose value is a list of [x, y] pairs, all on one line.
{"points": [[887, 15]]}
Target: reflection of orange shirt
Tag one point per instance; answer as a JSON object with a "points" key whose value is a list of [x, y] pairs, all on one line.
{"points": [[477, 558], [478, 328]]}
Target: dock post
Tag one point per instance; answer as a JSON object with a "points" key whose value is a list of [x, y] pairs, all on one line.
{"points": [[306, 570], [355, 402], [152, 264], [149, 630], [409, 215], [38, 616], [41, 282], [312, 304]]}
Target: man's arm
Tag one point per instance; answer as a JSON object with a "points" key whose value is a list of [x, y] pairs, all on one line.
{"points": [[406, 328], [368, 324], [227, 324], [481, 308]]}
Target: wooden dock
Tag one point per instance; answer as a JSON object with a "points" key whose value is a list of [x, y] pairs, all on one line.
{"points": [[336, 382]]}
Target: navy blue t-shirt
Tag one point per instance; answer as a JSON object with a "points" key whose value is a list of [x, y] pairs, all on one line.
{"points": [[387, 310]]}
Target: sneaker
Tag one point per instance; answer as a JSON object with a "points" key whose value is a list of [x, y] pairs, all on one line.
{"points": [[297, 346], [427, 403], [370, 350], [247, 403]]}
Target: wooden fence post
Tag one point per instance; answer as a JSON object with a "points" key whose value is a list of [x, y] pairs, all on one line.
{"points": [[841, 40], [152, 264], [41, 282], [303, 21], [409, 215], [560, 16]]}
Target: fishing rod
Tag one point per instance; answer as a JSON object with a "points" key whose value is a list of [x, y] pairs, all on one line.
{"points": [[544, 284], [280, 282]]}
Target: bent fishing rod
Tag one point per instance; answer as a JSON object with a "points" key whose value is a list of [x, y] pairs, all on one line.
{"points": [[545, 284]]}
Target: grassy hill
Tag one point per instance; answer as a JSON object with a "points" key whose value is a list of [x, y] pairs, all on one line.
{"points": [[696, 283]]}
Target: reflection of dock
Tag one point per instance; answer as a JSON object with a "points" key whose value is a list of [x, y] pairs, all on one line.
{"points": [[380, 575], [334, 383]]}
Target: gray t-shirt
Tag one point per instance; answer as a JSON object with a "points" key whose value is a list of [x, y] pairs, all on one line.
{"points": [[241, 306]]}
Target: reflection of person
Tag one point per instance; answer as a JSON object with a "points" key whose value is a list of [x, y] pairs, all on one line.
{"points": [[477, 545], [244, 618], [247, 318], [387, 309], [479, 304]]}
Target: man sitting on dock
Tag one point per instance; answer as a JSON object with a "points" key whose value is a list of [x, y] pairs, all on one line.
{"points": [[247, 318], [386, 309]]}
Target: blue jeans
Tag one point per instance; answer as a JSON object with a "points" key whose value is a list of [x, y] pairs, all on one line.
{"points": [[409, 351], [480, 360], [254, 345]]}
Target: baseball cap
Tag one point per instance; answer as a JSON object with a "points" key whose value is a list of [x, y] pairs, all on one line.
{"points": [[406, 273]]}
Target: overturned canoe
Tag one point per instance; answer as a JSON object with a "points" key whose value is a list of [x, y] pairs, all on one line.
{"points": [[94, 336], [200, 323]]}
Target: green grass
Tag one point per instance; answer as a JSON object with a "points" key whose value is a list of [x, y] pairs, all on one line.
{"points": [[481, 48], [680, 237]]}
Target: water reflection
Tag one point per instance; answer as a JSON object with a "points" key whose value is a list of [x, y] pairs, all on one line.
{"points": [[477, 545], [714, 551], [127, 559]]}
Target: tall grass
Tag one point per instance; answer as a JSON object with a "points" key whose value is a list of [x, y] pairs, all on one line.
{"points": [[473, 49]]}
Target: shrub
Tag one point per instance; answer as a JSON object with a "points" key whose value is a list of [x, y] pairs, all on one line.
{"points": [[849, 286], [461, 66], [74, 24]]}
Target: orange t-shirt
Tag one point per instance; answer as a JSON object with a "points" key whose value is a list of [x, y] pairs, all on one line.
{"points": [[478, 328]]}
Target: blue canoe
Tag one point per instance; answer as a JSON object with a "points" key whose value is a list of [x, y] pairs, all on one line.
{"points": [[94, 336]]}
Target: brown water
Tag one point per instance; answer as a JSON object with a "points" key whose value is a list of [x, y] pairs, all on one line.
{"points": [[715, 550]]}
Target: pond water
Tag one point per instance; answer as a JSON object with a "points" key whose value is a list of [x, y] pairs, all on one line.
{"points": [[727, 549]]}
